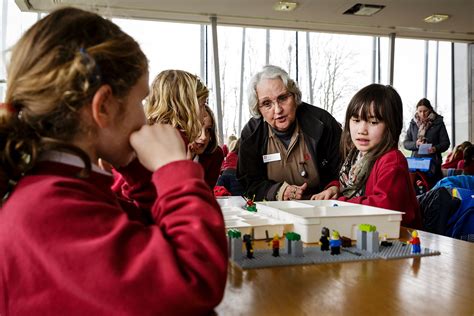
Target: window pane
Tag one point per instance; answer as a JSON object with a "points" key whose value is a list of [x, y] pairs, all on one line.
{"points": [[233, 95], [340, 66], [16, 23], [283, 50], [409, 79], [166, 45]]}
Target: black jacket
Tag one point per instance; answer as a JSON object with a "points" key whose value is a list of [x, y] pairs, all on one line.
{"points": [[322, 134]]}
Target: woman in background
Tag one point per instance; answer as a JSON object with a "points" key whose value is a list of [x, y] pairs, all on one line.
{"points": [[427, 127]]}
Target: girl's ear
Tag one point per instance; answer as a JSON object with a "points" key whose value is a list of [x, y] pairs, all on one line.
{"points": [[102, 106]]}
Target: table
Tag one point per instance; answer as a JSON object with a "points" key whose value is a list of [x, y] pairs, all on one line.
{"points": [[437, 285]]}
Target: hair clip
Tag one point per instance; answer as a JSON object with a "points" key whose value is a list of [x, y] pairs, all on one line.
{"points": [[90, 63]]}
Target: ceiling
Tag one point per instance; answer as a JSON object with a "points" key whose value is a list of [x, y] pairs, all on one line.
{"points": [[402, 17]]}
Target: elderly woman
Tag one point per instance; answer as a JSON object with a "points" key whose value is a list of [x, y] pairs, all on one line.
{"points": [[427, 127], [289, 149]]}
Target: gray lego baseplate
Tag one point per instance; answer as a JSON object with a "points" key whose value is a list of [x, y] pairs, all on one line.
{"points": [[313, 255]]}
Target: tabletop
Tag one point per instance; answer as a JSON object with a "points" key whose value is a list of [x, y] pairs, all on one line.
{"points": [[435, 285]]}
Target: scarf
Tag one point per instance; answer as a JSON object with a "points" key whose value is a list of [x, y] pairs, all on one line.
{"points": [[285, 136], [353, 174], [424, 125]]}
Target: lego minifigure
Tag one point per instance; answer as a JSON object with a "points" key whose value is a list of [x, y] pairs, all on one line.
{"points": [[248, 245], [250, 206], [385, 242], [276, 246], [415, 242], [335, 243], [324, 240]]}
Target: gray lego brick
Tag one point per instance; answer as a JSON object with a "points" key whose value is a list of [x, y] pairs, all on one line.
{"points": [[401, 250], [313, 255]]}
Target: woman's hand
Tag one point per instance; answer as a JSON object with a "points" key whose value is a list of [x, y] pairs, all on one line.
{"points": [[158, 144], [328, 194], [294, 192]]}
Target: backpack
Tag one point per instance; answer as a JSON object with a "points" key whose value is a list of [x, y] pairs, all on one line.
{"points": [[437, 206], [461, 223]]}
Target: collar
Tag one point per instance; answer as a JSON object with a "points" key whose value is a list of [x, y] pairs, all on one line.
{"points": [[69, 159]]}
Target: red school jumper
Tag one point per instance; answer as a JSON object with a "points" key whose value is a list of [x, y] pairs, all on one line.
{"points": [[389, 186], [68, 246]]}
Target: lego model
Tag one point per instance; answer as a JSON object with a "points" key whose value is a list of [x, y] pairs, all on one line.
{"points": [[294, 245], [415, 242], [335, 243], [368, 238], [324, 240], [276, 246], [385, 242], [248, 245], [234, 244], [293, 252], [346, 242]]}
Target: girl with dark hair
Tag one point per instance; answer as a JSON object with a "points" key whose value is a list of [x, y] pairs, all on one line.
{"points": [[68, 244], [374, 171], [427, 127]]}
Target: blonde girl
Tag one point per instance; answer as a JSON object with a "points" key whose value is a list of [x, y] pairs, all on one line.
{"points": [[177, 98]]}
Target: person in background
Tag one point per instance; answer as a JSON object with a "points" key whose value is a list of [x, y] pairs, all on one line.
{"points": [[177, 98], [467, 164], [225, 148], [68, 245], [289, 149], [206, 150], [374, 171], [228, 177], [455, 156], [427, 127]]}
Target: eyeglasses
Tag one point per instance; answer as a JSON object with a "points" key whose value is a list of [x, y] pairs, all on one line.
{"points": [[282, 99]]}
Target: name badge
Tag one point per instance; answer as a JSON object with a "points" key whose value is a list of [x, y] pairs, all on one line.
{"points": [[271, 157]]}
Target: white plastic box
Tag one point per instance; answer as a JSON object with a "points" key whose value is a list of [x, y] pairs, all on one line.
{"points": [[309, 217], [253, 223]]}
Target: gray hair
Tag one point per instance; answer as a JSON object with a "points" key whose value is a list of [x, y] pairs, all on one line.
{"points": [[270, 72]]}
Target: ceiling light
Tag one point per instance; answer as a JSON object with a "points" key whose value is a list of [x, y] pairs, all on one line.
{"points": [[436, 18], [285, 6], [364, 9]]}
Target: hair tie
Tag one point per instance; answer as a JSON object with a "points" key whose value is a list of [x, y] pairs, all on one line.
{"points": [[7, 107]]}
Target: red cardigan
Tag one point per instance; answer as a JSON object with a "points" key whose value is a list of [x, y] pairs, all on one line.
{"points": [[69, 246], [389, 186]]}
